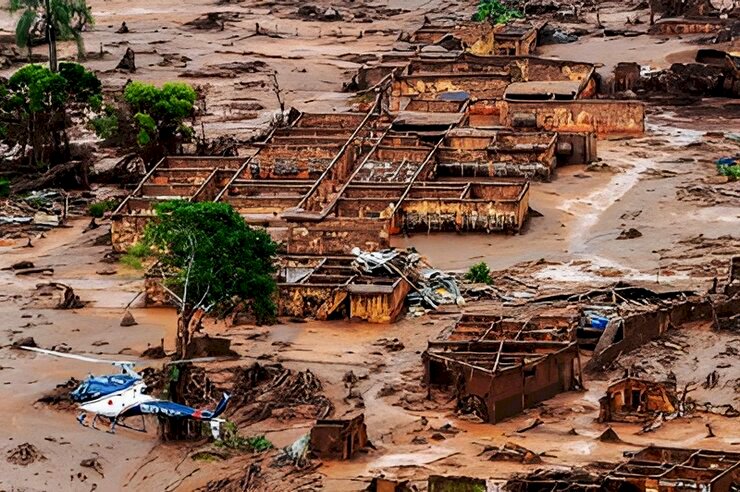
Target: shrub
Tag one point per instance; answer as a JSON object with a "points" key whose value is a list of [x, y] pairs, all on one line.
{"points": [[134, 255], [231, 439], [496, 12], [98, 209], [4, 187], [131, 261], [139, 250], [732, 171], [479, 273]]}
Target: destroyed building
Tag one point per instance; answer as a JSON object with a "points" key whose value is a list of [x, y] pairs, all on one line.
{"points": [[496, 379], [172, 178], [636, 400], [339, 439], [669, 469]]}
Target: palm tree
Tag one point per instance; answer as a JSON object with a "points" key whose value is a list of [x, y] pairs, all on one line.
{"points": [[63, 19]]}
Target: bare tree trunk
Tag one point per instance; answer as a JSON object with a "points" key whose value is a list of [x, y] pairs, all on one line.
{"points": [[178, 429], [183, 332], [51, 38]]}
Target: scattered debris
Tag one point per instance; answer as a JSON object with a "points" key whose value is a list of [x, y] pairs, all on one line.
{"points": [[630, 233], [510, 452], [24, 455], [610, 435], [531, 425], [55, 295], [128, 319], [339, 439], [128, 62], [93, 463]]}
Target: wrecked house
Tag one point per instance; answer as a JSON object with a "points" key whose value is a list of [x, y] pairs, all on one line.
{"points": [[339, 439], [483, 152], [371, 286], [330, 288], [480, 38], [173, 178], [659, 469], [480, 327], [487, 77], [623, 317], [636, 400], [497, 379], [664, 469], [315, 147], [396, 188]]}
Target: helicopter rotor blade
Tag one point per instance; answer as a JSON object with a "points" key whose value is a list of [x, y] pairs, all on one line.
{"points": [[198, 359], [79, 357]]}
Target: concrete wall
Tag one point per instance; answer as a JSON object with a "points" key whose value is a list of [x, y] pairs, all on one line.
{"points": [[308, 301], [337, 236], [380, 307], [605, 118], [439, 214], [126, 230]]}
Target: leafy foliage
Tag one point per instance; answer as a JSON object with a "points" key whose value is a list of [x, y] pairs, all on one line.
{"points": [[730, 167], [34, 105], [106, 124], [82, 84], [154, 117], [4, 187], [220, 261], [35, 88], [231, 439], [496, 12], [98, 209], [479, 273]]}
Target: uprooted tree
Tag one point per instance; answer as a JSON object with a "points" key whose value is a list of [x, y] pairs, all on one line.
{"points": [[218, 264], [36, 108], [154, 120]]}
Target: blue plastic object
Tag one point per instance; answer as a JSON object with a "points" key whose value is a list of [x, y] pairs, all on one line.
{"points": [[599, 322]]}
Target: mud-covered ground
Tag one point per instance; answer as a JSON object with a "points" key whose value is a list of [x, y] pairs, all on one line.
{"points": [[663, 184]]}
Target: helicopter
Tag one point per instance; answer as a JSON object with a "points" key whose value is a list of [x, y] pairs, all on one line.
{"points": [[120, 396]]}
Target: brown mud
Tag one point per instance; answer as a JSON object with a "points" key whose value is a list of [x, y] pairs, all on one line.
{"points": [[663, 184]]}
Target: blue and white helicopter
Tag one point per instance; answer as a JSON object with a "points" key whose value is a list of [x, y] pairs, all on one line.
{"points": [[119, 396]]}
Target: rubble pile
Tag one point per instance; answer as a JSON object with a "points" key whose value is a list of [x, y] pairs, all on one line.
{"points": [[55, 295], [24, 455], [40, 211], [430, 287], [59, 397], [510, 452], [260, 392]]}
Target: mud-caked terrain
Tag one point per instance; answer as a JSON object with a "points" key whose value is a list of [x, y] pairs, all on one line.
{"points": [[641, 237]]}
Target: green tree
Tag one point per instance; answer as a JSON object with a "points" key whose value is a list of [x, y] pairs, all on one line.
{"points": [[61, 19], [219, 263], [34, 105], [151, 118]]}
